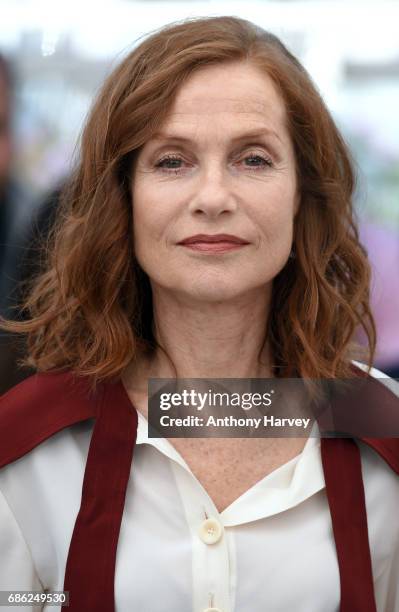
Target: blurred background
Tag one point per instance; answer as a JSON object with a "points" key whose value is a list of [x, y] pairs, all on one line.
{"points": [[58, 52]]}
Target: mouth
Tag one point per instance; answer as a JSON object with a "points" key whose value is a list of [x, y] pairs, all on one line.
{"points": [[221, 246], [216, 243]]}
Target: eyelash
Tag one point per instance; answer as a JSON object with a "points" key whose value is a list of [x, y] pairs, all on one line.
{"points": [[268, 163]]}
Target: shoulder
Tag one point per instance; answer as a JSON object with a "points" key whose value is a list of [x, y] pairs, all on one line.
{"points": [[40, 406], [382, 394], [45, 434]]}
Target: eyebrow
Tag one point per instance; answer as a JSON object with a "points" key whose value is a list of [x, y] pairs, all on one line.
{"points": [[245, 136]]}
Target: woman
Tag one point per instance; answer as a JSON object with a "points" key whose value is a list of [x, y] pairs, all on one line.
{"points": [[208, 233]]}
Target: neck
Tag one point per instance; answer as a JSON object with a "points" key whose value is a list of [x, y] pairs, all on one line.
{"points": [[207, 339]]}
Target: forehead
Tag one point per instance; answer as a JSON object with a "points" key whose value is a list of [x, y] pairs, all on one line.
{"points": [[239, 92]]}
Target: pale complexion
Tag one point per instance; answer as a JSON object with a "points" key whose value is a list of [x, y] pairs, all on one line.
{"points": [[223, 163]]}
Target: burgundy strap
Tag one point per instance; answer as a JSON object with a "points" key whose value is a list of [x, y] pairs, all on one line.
{"points": [[90, 567], [345, 493]]}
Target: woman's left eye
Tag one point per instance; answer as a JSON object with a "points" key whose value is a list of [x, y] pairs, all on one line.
{"points": [[264, 161]]}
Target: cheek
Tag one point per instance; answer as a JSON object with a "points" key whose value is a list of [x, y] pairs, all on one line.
{"points": [[151, 218], [143, 209], [275, 211]]}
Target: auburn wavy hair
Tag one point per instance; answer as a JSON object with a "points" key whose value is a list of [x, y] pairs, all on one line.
{"points": [[90, 309]]}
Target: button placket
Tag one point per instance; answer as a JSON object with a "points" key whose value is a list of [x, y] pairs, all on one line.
{"points": [[210, 561]]}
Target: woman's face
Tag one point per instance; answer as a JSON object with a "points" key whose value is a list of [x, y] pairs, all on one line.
{"points": [[223, 162]]}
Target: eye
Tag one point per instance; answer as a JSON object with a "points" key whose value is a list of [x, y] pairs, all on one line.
{"points": [[170, 163], [173, 163], [258, 162]]}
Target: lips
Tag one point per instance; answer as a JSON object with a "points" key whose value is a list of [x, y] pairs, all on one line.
{"points": [[214, 238]]}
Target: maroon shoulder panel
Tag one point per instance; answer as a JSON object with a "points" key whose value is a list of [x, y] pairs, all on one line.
{"points": [[381, 396], [38, 407]]}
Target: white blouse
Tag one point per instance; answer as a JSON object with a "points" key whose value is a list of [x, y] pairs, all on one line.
{"points": [[272, 549]]}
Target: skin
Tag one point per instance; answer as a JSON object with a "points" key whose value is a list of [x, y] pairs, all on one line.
{"points": [[210, 310]]}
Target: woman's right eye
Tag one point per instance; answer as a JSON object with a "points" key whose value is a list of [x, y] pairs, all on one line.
{"points": [[170, 163]]}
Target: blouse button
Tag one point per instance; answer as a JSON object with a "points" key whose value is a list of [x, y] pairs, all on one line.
{"points": [[210, 532]]}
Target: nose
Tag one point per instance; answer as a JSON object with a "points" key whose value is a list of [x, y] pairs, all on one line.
{"points": [[214, 195]]}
